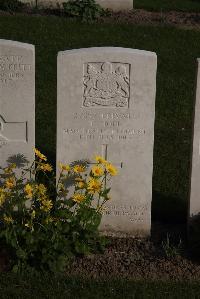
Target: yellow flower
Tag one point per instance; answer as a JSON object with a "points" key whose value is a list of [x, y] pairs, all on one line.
{"points": [[10, 183], [33, 214], [61, 187], [46, 205], [39, 155], [111, 169], [41, 189], [97, 170], [78, 179], [81, 185], [46, 167], [28, 189], [93, 186], [7, 219], [78, 197], [7, 170], [100, 159], [64, 167], [79, 168], [10, 168]]}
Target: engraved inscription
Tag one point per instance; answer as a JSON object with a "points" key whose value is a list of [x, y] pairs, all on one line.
{"points": [[87, 115], [3, 141], [13, 68], [134, 213], [106, 84], [105, 134], [108, 126]]}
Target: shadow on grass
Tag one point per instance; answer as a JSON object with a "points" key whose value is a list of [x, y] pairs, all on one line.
{"points": [[169, 218]]}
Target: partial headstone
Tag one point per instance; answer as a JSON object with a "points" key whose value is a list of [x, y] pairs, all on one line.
{"points": [[195, 175], [106, 106], [17, 101], [115, 5]]}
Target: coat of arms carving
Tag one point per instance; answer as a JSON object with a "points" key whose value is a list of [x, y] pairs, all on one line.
{"points": [[106, 84]]}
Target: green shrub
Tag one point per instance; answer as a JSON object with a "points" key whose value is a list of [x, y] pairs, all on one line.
{"points": [[42, 226], [11, 5], [171, 250], [86, 10]]}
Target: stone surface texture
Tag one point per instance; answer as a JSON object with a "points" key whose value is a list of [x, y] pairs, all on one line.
{"points": [[106, 106], [17, 100], [195, 175], [115, 5]]}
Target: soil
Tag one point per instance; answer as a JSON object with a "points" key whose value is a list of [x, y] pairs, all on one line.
{"points": [[139, 259], [136, 16], [136, 259], [140, 16]]}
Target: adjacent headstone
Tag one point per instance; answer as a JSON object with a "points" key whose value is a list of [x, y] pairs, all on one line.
{"points": [[195, 175], [106, 105], [115, 5], [17, 100]]}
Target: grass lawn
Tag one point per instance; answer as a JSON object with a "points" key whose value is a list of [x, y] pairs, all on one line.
{"points": [[12, 286], [177, 51], [167, 5]]}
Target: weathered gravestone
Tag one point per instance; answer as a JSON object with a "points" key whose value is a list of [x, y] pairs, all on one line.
{"points": [[106, 99], [115, 5], [195, 175], [17, 101]]}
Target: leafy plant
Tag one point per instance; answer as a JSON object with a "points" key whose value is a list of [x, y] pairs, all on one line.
{"points": [[11, 5], [43, 225], [86, 10], [171, 250]]}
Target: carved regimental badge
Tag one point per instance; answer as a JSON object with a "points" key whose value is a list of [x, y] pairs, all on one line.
{"points": [[106, 84]]}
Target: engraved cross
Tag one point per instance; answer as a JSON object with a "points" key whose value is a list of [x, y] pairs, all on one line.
{"points": [[12, 131], [105, 155]]}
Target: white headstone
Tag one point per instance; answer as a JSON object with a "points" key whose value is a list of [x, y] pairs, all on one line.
{"points": [[115, 5], [106, 105], [17, 100], [195, 176]]}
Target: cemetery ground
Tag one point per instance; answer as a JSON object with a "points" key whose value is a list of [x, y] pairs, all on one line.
{"points": [[168, 5], [177, 50]]}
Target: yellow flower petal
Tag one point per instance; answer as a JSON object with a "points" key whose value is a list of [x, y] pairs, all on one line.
{"points": [[39, 155], [79, 168], [64, 167], [112, 170], [94, 186], [97, 170], [78, 197], [10, 183], [46, 167], [100, 159]]}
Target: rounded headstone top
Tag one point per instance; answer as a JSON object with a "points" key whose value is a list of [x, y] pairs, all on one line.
{"points": [[108, 50], [16, 44]]}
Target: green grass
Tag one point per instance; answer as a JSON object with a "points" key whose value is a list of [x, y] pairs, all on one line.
{"points": [[29, 287], [167, 5], [177, 51]]}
